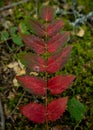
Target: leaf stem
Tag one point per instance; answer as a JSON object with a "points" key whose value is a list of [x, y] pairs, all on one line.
{"points": [[46, 100], [46, 79]]}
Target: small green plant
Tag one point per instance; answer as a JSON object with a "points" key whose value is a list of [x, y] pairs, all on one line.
{"points": [[49, 56], [11, 34], [76, 109]]}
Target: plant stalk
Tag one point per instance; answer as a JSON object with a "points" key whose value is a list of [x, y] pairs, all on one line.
{"points": [[46, 79], [46, 100]]}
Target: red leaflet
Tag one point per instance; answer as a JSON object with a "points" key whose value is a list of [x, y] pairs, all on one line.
{"points": [[56, 61], [34, 43], [56, 108], [34, 112], [37, 27], [34, 84], [58, 84], [57, 41], [54, 27], [47, 13], [36, 63]]}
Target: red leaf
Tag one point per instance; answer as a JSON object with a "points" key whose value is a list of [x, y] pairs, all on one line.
{"points": [[34, 112], [47, 13], [34, 43], [56, 108], [56, 61], [37, 27], [58, 84], [34, 84], [36, 63], [54, 27], [57, 41]]}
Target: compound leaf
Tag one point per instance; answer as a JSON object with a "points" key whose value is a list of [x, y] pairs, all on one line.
{"points": [[56, 108], [34, 43], [58, 84], [34, 84], [34, 112]]}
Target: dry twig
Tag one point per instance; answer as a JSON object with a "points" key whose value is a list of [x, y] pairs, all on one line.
{"points": [[13, 5], [17, 105], [2, 121]]}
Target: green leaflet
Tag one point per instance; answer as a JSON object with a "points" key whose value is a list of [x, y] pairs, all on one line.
{"points": [[17, 40], [76, 109], [13, 30], [23, 28], [4, 35]]}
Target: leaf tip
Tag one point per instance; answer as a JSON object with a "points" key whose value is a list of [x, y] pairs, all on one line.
{"points": [[46, 13]]}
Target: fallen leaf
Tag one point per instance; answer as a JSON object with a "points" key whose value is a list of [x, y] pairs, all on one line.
{"points": [[46, 3], [18, 68], [58, 127], [7, 24], [6, 110], [15, 82], [34, 73], [81, 32], [11, 95]]}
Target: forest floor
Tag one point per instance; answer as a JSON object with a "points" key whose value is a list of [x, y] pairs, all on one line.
{"points": [[80, 63]]}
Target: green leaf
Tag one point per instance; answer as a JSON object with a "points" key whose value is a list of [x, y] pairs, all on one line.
{"points": [[1, 3], [76, 109], [13, 31], [23, 28], [17, 40], [4, 35]]}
